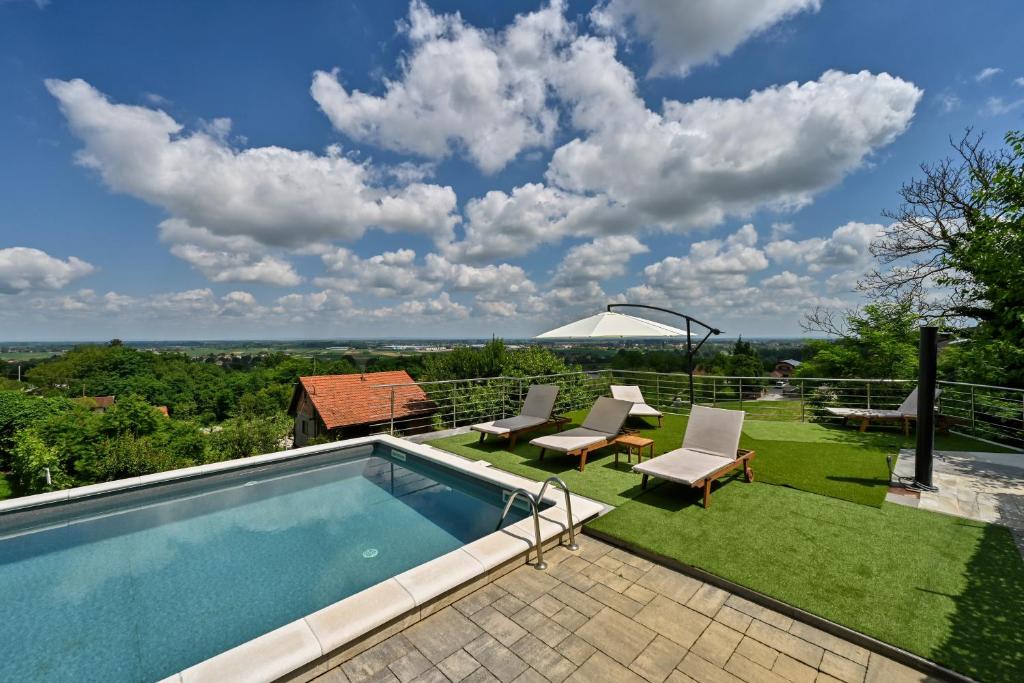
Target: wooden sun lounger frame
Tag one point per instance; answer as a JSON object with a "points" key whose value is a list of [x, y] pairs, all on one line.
{"points": [[556, 420], [743, 458], [581, 453], [865, 421]]}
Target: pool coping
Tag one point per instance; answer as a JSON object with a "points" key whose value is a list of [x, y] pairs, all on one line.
{"points": [[303, 648]]}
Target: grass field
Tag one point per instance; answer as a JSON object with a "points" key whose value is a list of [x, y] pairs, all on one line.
{"points": [[943, 587], [829, 460]]}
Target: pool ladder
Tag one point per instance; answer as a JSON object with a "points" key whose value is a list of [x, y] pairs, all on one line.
{"points": [[534, 501]]}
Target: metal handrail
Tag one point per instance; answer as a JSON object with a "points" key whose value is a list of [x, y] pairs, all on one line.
{"points": [[541, 564], [568, 508]]}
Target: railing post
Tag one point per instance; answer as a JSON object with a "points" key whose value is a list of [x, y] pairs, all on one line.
{"points": [[454, 408], [803, 405], [391, 429], [973, 430], [657, 390], [739, 385], [869, 394], [714, 392]]}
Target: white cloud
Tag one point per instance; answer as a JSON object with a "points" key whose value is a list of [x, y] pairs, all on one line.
{"points": [[702, 160], [948, 101], [24, 268], [441, 306], [461, 86], [604, 258], [987, 73], [1019, 81], [780, 230], [997, 106], [226, 259], [848, 246], [272, 195], [695, 164], [684, 34], [723, 264]]}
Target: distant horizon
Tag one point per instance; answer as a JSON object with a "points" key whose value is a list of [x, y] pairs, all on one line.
{"points": [[724, 337]]}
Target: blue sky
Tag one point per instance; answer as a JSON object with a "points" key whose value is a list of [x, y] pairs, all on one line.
{"points": [[200, 170]]}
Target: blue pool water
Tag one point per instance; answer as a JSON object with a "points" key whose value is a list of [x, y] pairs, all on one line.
{"points": [[134, 587]]}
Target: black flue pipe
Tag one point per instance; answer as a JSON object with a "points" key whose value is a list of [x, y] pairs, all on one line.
{"points": [[926, 383]]}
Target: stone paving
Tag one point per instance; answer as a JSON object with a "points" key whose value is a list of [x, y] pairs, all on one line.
{"points": [[985, 486], [602, 614]]}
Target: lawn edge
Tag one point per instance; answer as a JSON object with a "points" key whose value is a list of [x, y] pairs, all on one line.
{"points": [[914, 661]]}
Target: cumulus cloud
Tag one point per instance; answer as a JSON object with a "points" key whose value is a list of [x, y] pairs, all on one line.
{"points": [[847, 246], [694, 164], [273, 195], [723, 264], [25, 268], [604, 258], [481, 91], [236, 258], [987, 73], [687, 33]]}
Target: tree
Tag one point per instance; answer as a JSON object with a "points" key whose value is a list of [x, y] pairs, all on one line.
{"points": [[31, 458], [956, 249], [878, 341]]}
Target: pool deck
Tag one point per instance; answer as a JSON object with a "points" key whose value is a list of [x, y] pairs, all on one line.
{"points": [[988, 487], [603, 614]]}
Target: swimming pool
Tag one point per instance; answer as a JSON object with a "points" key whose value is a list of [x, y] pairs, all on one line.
{"points": [[142, 583]]}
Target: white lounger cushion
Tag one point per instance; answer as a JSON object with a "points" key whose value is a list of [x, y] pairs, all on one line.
{"points": [[683, 465], [644, 410], [571, 439], [509, 424], [604, 422], [608, 415], [864, 412], [907, 409], [714, 430], [632, 393], [540, 400]]}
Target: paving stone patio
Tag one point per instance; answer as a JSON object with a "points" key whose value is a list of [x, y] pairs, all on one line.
{"points": [[602, 614], [985, 486]]}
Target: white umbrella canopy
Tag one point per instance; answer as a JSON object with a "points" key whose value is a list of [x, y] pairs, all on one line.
{"points": [[612, 325]]}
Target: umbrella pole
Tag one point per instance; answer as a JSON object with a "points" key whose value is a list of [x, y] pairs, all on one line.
{"points": [[689, 359]]}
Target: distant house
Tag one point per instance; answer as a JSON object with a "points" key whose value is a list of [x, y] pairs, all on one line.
{"points": [[98, 404], [342, 406], [785, 368]]}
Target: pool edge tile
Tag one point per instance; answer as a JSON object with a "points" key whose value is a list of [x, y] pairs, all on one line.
{"points": [[261, 660], [339, 624], [440, 575]]}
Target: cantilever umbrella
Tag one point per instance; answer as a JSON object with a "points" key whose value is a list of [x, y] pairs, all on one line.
{"points": [[610, 324]]}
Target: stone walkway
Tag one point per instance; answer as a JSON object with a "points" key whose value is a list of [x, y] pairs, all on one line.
{"points": [[985, 486], [601, 614]]}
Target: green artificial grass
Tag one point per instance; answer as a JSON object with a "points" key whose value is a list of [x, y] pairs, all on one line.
{"points": [[946, 588], [829, 460]]}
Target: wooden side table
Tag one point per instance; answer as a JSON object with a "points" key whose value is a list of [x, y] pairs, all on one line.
{"points": [[633, 442]]}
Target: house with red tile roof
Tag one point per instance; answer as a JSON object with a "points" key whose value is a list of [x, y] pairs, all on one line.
{"points": [[343, 406]]}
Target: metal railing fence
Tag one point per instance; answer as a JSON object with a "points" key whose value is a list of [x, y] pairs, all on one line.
{"points": [[988, 412]]}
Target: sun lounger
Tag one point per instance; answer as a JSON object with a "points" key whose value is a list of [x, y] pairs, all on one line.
{"points": [[710, 450], [603, 423], [535, 413], [640, 407], [906, 413]]}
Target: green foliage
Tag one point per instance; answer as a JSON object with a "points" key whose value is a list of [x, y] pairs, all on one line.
{"points": [[992, 253], [131, 415], [30, 458], [241, 437], [880, 341], [19, 411]]}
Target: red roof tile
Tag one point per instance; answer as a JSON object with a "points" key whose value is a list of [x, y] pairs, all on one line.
{"points": [[345, 400]]}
